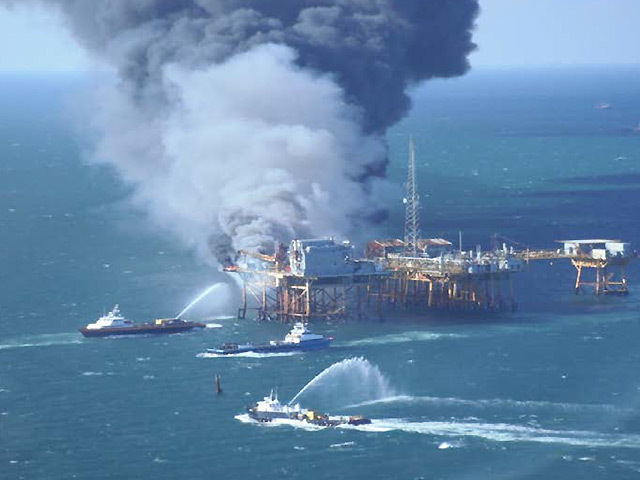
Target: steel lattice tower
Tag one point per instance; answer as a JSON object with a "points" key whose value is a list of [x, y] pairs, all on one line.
{"points": [[411, 205]]}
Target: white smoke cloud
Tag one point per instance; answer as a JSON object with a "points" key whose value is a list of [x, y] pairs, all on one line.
{"points": [[240, 122], [254, 149]]}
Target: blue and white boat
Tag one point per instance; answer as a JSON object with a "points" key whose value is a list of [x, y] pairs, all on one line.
{"points": [[300, 338]]}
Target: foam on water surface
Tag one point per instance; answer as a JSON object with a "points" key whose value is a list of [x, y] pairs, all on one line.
{"points": [[501, 432], [342, 445]]}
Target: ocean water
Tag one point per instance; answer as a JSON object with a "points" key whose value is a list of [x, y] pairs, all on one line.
{"points": [[551, 390]]}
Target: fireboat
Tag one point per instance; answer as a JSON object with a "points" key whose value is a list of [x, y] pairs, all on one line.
{"points": [[113, 323]]}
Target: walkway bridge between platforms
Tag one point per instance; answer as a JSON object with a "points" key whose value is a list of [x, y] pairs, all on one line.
{"points": [[599, 270]]}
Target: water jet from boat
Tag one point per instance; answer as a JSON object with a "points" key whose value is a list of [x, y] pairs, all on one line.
{"points": [[350, 381], [206, 292]]}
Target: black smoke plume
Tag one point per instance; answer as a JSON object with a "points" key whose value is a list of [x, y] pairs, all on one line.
{"points": [[241, 122]]}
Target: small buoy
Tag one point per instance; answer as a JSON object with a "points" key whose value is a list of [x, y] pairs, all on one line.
{"points": [[218, 388]]}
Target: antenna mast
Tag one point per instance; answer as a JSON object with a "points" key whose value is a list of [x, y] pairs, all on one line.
{"points": [[411, 206]]}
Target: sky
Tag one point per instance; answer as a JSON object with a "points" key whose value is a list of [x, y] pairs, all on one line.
{"points": [[36, 40], [509, 33], [516, 33]]}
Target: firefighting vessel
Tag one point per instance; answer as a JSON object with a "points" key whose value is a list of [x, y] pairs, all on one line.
{"points": [[270, 409], [299, 338], [113, 323]]}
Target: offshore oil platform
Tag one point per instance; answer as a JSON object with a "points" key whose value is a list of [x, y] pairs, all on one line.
{"points": [[323, 279]]}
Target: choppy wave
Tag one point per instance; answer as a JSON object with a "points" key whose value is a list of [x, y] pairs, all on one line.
{"points": [[630, 465], [405, 337], [447, 445], [342, 445], [246, 355], [494, 403], [44, 340], [213, 325], [502, 432]]}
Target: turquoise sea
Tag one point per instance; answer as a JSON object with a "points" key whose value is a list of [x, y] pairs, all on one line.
{"points": [[551, 391]]}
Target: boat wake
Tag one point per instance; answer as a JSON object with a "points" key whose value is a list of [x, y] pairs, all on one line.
{"points": [[495, 432], [44, 340], [502, 403], [501, 432], [405, 337], [246, 355], [213, 325]]}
